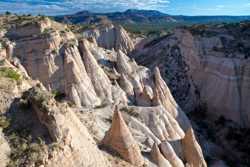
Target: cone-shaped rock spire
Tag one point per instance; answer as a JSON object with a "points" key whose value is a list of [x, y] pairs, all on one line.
{"points": [[78, 86], [98, 77], [158, 158], [126, 85], [120, 139], [163, 95], [169, 153], [145, 98], [192, 150], [123, 65]]}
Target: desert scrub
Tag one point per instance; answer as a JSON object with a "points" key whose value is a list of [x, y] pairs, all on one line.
{"points": [[130, 111], [2, 62], [4, 122], [58, 95], [10, 73], [25, 151]]}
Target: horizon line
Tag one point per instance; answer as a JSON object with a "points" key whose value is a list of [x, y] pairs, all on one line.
{"points": [[118, 11]]}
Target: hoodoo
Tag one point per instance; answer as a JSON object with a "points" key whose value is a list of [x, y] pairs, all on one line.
{"points": [[120, 139]]}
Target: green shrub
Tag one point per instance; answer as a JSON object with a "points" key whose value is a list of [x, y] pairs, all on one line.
{"points": [[58, 95], [47, 31], [23, 151], [54, 51], [10, 73], [2, 62], [4, 122], [7, 13], [130, 111]]}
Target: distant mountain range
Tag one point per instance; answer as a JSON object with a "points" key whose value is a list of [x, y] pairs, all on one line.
{"points": [[133, 16]]}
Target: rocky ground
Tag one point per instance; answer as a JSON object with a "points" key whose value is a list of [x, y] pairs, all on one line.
{"points": [[207, 70], [70, 100]]}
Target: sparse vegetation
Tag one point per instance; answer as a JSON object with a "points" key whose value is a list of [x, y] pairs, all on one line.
{"points": [[54, 51], [2, 62], [4, 122], [130, 111], [47, 31], [25, 151], [10, 73], [26, 148], [102, 105], [58, 95], [7, 13]]}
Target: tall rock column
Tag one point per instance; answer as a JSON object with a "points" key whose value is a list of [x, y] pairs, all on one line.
{"points": [[78, 86], [99, 79], [120, 139], [192, 150], [158, 158]]}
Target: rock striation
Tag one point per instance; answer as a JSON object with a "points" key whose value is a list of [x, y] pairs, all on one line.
{"points": [[110, 37], [158, 158], [77, 146], [192, 150], [52, 56], [169, 153], [70, 110], [100, 80], [205, 65]]}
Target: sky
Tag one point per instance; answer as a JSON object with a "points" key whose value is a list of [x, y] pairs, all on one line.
{"points": [[173, 7]]}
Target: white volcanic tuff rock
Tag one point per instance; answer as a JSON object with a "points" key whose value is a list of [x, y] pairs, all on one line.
{"points": [[145, 98], [162, 125], [6, 48], [214, 72], [158, 126], [78, 85], [111, 37], [5, 150], [2, 52], [122, 63], [192, 150], [120, 139], [162, 94], [66, 71], [100, 81], [134, 77], [119, 96], [58, 66], [167, 122], [126, 85], [169, 153], [158, 158], [77, 146], [205, 68], [11, 89], [29, 29]]}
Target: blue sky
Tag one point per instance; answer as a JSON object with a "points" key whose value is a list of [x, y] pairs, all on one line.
{"points": [[174, 7]]}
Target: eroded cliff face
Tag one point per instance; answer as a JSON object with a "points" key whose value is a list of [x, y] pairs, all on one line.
{"points": [[124, 108], [111, 37], [205, 65], [75, 146]]}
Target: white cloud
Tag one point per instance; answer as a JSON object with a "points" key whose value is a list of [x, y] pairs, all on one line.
{"points": [[69, 6]]}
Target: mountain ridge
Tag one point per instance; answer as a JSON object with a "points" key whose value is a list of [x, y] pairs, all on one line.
{"points": [[145, 16]]}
